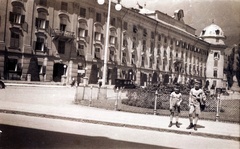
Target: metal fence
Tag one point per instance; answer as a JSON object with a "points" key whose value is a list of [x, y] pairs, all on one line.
{"points": [[218, 108]]}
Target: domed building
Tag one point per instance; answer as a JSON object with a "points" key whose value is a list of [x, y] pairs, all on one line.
{"points": [[214, 35], [68, 38]]}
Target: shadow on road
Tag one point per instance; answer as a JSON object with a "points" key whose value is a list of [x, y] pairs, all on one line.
{"points": [[18, 137]]}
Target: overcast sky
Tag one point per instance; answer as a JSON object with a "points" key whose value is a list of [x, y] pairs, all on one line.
{"points": [[200, 13], [150, 3]]}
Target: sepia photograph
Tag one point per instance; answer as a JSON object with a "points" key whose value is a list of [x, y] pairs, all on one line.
{"points": [[119, 74]]}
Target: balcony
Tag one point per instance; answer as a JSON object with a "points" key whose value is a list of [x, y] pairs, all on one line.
{"points": [[58, 34]]}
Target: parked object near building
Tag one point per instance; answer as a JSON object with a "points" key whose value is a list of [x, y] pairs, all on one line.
{"points": [[126, 84], [2, 85]]}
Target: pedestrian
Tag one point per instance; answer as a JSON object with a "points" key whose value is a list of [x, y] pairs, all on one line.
{"points": [[73, 82], [175, 101], [196, 97], [99, 82]]}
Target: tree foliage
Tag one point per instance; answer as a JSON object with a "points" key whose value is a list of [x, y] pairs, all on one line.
{"points": [[229, 70], [238, 65]]}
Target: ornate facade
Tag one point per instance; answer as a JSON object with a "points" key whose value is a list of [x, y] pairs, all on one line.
{"points": [[67, 37]]}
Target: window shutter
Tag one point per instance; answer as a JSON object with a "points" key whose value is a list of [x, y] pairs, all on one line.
{"points": [[87, 39], [22, 19], [46, 25], [45, 49], [34, 45], [44, 69], [11, 19], [37, 22], [115, 41], [25, 27], [86, 33], [19, 67], [49, 30], [102, 39], [95, 35]]}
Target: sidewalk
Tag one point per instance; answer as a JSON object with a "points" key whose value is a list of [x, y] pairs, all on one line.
{"points": [[74, 112], [65, 109]]}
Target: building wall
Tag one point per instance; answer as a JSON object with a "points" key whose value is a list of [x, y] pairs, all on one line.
{"points": [[216, 63], [177, 42]]}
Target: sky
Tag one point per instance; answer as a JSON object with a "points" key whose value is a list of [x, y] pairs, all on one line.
{"points": [[200, 13]]}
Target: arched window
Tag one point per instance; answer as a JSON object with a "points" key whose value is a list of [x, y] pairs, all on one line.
{"points": [[41, 21], [63, 23], [216, 55], [16, 16]]}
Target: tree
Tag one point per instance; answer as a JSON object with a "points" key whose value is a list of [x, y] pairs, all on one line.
{"points": [[238, 65], [206, 85], [33, 69], [178, 68], [229, 70]]}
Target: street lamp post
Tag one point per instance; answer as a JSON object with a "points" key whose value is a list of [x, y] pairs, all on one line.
{"points": [[117, 7], [64, 66]]}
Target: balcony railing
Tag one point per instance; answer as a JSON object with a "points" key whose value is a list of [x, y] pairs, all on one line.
{"points": [[59, 34]]}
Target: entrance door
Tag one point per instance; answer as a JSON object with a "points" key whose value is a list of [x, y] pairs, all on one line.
{"points": [[143, 79], [155, 78], [58, 71]]}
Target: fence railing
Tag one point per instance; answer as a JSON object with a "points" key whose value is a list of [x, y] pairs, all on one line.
{"points": [[218, 108]]}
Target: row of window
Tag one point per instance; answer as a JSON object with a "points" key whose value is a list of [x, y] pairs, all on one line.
{"points": [[42, 23]]}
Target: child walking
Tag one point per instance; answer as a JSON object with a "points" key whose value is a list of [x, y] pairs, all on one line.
{"points": [[175, 101]]}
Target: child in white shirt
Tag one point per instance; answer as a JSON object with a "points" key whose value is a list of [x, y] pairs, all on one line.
{"points": [[175, 101]]}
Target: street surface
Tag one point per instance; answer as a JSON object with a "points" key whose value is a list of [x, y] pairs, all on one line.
{"points": [[115, 137], [51, 99]]}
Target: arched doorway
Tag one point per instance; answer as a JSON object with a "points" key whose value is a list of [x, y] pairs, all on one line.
{"points": [[58, 71], [93, 78], [143, 79], [131, 74], [114, 75], [165, 78], [155, 78]]}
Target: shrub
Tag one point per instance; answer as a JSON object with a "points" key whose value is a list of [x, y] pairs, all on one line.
{"points": [[145, 97]]}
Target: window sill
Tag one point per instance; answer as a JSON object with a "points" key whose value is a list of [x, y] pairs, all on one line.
{"points": [[14, 48]]}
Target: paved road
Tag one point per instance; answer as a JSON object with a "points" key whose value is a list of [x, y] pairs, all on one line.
{"points": [[34, 138], [112, 137], [52, 99]]}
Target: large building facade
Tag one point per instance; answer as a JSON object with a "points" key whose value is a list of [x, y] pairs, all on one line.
{"points": [[67, 38]]}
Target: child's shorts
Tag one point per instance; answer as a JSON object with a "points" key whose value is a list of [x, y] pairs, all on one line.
{"points": [[175, 108], [195, 109]]}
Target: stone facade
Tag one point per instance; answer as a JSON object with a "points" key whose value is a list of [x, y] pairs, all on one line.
{"points": [[67, 37]]}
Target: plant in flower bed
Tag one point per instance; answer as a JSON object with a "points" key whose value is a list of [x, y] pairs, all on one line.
{"points": [[144, 97]]}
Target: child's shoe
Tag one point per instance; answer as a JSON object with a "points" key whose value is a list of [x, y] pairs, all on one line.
{"points": [[195, 127], [190, 126], [177, 125], [170, 124]]}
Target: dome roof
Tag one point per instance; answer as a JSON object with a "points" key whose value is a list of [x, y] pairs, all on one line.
{"points": [[212, 30]]}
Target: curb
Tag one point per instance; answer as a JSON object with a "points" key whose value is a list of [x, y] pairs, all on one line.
{"points": [[194, 133]]}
